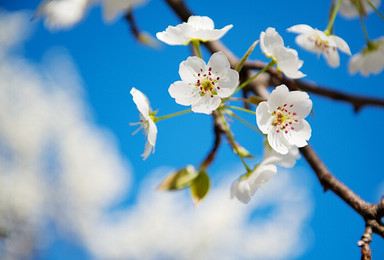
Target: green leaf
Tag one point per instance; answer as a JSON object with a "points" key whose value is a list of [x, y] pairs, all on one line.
{"points": [[200, 187], [179, 180]]}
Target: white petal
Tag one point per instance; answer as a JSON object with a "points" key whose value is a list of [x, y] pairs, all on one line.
{"points": [[113, 7], [177, 35], [62, 14], [228, 83], [341, 44], [183, 93], [307, 42], [210, 35], [355, 63], [264, 118], [152, 132], [189, 69], [301, 134], [332, 57], [286, 160], [206, 104], [300, 28], [262, 174], [219, 63], [241, 190], [288, 62], [302, 105], [147, 150], [278, 141], [141, 102], [201, 22], [277, 97], [269, 40]]}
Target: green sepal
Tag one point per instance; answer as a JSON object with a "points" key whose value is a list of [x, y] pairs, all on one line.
{"points": [[242, 151], [180, 179], [255, 100], [200, 187]]}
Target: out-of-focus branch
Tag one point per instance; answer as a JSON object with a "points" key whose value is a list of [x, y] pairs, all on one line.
{"points": [[218, 130]]}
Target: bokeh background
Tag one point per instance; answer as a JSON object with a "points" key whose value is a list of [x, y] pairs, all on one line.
{"points": [[74, 186]]}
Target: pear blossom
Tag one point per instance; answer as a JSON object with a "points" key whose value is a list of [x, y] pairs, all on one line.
{"points": [[272, 44], [285, 160], [370, 60], [247, 185], [66, 13], [281, 118], [319, 42], [196, 28], [203, 85], [349, 9], [146, 121]]}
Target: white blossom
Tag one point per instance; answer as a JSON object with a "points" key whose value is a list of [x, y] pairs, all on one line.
{"points": [[281, 118], [272, 44], [317, 41], [203, 85], [370, 60], [196, 28], [66, 13], [146, 121], [247, 185], [285, 160], [349, 9]]}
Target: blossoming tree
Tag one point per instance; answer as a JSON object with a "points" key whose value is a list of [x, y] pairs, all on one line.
{"points": [[214, 86]]}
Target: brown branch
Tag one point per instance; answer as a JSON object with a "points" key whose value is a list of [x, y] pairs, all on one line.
{"points": [[356, 100], [218, 130], [371, 213]]}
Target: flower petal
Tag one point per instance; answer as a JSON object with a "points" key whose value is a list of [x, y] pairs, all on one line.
{"points": [[219, 63], [152, 132], [210, 35], [228, 83], [264, 118], [301, 134], [147, 150], [278, 141], [141, 102], [241, 190], [307, 42], [277, 97], [301, 28], [341, 44], [190, 68], [175, 35], [206, 104], [332, 57], [201, 22], [269, 40], [302, 105], [183, 93], [262, 174], [288, 62]]}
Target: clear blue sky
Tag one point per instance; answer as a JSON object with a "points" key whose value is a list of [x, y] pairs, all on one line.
{"points": [[108, 62]]}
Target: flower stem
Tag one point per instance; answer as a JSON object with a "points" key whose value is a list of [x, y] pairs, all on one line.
{"points": [[245, 122], [156, 119], [254, 76], [241, 109], [231, 140], [357, 3], [196, 44], [332, 18], [374, 8]]}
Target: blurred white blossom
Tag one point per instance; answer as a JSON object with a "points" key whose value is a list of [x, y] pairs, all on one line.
{"points": [[349, 9], [317, 41], [369, 60]]}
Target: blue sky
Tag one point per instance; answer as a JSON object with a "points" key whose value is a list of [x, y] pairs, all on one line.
{"points": [[67, 147]]}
